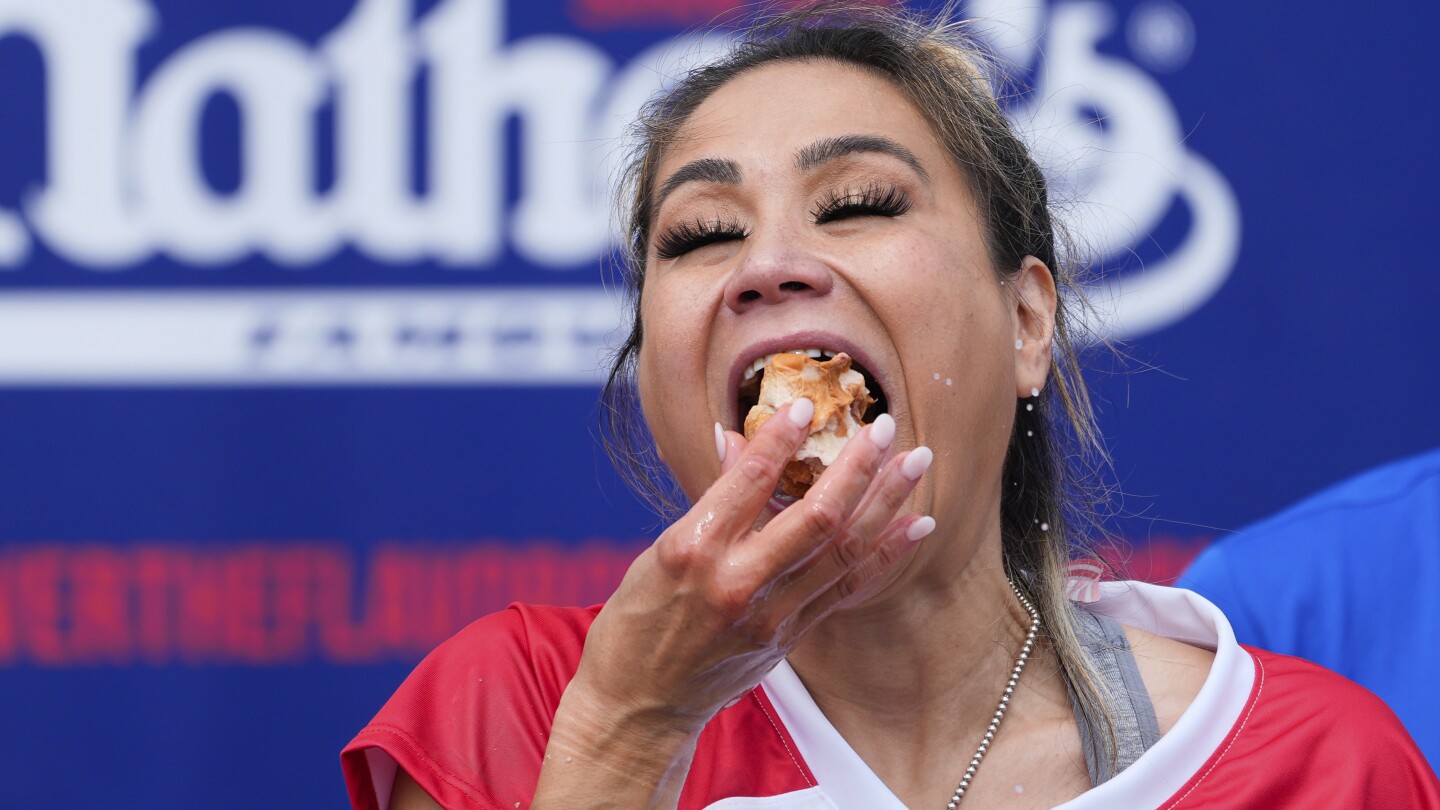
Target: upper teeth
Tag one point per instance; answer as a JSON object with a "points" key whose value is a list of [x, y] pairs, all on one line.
{"points": [[761, 362]]}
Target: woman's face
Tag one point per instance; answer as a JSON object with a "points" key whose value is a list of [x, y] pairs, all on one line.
{"points": [[810, 205]]}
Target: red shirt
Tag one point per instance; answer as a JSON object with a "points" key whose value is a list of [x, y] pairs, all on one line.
{"points": [[1266, 731]]}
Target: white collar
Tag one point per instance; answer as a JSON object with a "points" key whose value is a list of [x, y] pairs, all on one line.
{"points": [[1149, 782]]}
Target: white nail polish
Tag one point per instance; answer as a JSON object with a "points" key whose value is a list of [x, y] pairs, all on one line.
{"points": [[801, 412], [882, 430], [916, 463], [920, 529], [720, 441]]}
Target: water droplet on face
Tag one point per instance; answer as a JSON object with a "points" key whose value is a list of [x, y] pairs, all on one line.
{"points": [[949, 381], [1019, 344], [936, 375], [1019, 788]]}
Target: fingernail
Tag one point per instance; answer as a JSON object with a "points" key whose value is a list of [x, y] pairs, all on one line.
{"points": [[719, 441], [882, 430], [801, 412], [916, 463], [920, 529]]}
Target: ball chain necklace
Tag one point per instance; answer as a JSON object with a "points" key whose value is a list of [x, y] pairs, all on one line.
{"points": [[1004, 698]]}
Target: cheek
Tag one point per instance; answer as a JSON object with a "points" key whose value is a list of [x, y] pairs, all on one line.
{"points": [[669, 368]]}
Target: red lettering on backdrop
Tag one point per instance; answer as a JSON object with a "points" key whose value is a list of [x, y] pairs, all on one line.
{"points": [[480, 575], [39, 585], [265, 604], [600, 568], [394, 587], [543, 581], [293, 572], [342, 639], [100, 625], [198, 580], [7, 610], [154, 608], [243, 580], [438, 617]]}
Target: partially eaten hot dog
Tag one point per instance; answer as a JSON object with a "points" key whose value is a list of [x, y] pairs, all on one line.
{"points": [[841, 399]]}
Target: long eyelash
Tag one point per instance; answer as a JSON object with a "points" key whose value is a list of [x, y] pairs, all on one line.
{"points": [[687, 236], [872, 200]]}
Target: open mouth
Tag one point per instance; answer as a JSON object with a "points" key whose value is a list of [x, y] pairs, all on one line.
{"points": [[748, 394]]}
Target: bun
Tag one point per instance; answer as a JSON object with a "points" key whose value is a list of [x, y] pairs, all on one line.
{"points": [[840, 398]]}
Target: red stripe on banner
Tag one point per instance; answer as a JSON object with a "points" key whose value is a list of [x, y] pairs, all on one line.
{"points": [[266, 604], [271, 603]]}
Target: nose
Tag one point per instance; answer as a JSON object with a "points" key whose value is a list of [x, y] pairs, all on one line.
{"points": [[773, 272]]}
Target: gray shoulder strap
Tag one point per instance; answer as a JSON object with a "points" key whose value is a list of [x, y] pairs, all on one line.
{"points": [[1128, 701]]}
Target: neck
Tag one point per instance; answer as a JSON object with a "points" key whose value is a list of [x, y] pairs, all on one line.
{"points": [[928, 645], [912, 678]]}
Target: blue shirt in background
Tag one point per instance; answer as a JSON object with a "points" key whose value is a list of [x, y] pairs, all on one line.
{"points": [[1349, 579]]}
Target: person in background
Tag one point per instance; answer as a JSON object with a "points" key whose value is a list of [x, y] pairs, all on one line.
{"points": [[1348, 578]]}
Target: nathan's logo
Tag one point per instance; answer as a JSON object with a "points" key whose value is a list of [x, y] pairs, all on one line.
{"points": [[125, 174], [125, 182], [1114, 140]]}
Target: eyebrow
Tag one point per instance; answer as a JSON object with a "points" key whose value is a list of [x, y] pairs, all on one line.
{"points": [[828, 149], [708, 170], [723, 170]]}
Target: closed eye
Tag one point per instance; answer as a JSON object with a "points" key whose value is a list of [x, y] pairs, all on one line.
{"points": [[687, 236], [873, 200]]}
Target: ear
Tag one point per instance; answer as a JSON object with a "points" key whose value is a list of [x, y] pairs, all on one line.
{"points": [[1034, 301]]}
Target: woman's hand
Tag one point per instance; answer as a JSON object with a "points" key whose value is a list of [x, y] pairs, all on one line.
{"points": [[706, 612]]}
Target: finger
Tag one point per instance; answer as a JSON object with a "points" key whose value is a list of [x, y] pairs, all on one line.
{"points": [[809, 525], [860, 581], [735, 499], [858, 540], [734, 446]]}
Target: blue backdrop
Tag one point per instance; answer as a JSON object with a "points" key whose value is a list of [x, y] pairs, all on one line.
{"points": [[302, 317]]}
